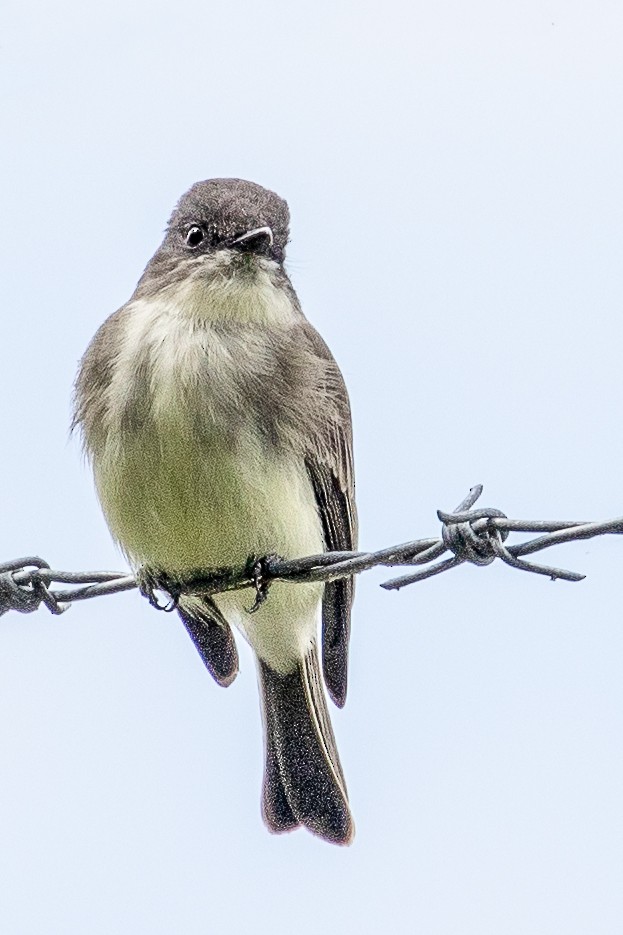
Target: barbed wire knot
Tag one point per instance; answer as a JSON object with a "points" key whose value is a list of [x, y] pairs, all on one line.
{"points": [[26, 593], [476, 545]]}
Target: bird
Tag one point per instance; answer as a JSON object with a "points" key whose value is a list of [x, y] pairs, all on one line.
{"points": [[218, 428]]}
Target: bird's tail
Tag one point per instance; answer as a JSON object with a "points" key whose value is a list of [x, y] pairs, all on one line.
{"points": [[303, 779]]}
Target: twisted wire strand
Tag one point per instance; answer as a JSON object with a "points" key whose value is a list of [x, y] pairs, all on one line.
{"points": [[474, 536]]}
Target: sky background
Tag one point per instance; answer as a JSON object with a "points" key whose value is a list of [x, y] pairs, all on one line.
{"points": [[453, 172]]}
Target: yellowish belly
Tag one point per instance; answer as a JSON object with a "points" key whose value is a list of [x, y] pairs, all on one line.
{"points": [[179, 506]]}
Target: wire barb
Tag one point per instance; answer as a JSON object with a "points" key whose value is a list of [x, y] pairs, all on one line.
{"points": [[474, 536]]}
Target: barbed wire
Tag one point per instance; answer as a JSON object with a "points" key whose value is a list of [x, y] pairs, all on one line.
{"points": [[475, 536]]}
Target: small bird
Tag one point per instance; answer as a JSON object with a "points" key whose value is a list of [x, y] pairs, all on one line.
{"points": [[218, 427]]}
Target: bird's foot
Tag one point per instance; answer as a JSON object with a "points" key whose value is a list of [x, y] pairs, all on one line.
{"points": [[259, 570], [152, 583]]}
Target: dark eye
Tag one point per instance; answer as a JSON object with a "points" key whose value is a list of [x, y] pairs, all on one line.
{"points": [[194, 236]]}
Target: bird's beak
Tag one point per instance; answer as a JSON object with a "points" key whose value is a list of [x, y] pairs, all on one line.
{"points": [[252, 235]]}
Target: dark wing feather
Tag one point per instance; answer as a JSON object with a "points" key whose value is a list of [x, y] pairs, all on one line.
{"points": [[329, 461], [212, 637]]}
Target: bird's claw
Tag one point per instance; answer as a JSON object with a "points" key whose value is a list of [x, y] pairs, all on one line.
{"points": [[260, 576], [150, 582]]}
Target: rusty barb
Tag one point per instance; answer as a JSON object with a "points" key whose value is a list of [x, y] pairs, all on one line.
{"points": [[476, 536]]}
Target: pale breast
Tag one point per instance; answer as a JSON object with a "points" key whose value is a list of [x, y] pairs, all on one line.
{"points": [[186, 475]]}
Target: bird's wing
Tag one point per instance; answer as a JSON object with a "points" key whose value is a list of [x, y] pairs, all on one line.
{"points": [[329, 461], [212, 637]]}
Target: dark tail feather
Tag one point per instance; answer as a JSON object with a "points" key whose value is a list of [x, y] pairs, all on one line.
{"points": [[303, 780], [212, 637], [276, 811]]}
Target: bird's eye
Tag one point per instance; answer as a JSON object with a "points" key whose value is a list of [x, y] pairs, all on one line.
{"points": [[194, 236]]}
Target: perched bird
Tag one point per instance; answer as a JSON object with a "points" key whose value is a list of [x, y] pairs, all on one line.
{"points": [[218, 427]]}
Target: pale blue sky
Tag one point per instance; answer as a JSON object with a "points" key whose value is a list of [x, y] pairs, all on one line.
{"points": [[454, 176]]}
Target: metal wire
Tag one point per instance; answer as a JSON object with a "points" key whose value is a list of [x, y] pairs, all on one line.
{"points": [[475, 536]]}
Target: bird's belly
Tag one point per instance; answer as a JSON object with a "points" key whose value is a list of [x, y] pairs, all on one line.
{"points": [[177, 505]]}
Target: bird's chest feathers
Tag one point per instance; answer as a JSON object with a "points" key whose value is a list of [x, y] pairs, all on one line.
{"points": [[188, 476], [195, 358]]}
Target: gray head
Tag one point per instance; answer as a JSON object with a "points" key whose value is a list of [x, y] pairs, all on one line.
{"points": [[230, 213], [216, 215]]}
